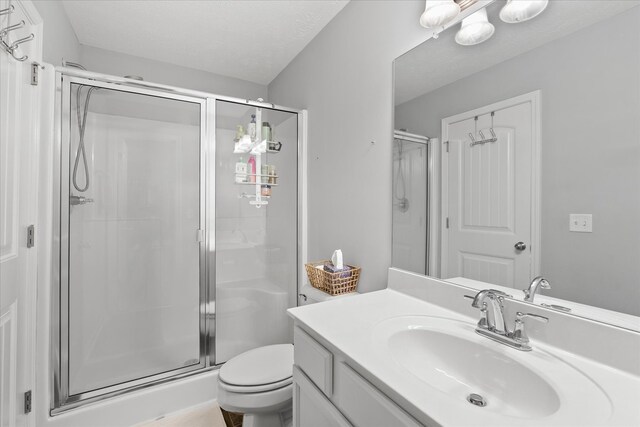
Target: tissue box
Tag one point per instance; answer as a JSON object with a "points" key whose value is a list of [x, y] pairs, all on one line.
{"points": [[336, 282], [328, 266]]}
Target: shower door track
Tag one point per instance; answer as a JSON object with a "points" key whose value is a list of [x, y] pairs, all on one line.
{"points": [[60, 400]]}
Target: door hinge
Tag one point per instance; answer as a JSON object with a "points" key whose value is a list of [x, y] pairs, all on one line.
{"points": [[27, 402], [447, 222], [446, 145], [35, 71], [31, 236]]}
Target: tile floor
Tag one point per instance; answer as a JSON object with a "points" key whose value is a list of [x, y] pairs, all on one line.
{"points": [[205, 415]]}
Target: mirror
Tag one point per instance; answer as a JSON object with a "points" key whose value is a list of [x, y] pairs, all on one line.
{"points": [[520, 156]]}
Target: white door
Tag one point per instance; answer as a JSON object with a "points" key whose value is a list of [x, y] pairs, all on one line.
{"points": [[19, 112], [17, 261], [488, 196]]}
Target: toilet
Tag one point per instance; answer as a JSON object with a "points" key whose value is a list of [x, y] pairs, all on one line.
{"points": [[258, 383]]}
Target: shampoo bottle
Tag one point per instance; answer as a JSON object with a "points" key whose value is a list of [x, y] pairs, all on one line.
{"points": [[252, 169], [241, 171]]}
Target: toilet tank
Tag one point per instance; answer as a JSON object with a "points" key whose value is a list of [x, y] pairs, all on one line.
{"points": [[310, 295]]}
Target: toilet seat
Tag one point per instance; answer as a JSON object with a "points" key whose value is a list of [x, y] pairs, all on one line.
{"points": [[255, 388], [261, 369]]}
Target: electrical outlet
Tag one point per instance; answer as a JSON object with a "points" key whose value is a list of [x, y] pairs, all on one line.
{"points": [[581, 223]]}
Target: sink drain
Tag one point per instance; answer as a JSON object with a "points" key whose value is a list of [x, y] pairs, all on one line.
{"points": [[476, 399]]}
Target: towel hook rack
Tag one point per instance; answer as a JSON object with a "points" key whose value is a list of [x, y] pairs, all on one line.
{"points": [[484, 140], [11, 47]]}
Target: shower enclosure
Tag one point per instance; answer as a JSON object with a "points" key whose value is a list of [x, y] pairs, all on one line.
{"points": [[410, 218], [163, 267]]}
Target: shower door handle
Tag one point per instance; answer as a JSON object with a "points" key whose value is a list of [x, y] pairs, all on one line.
{"points": [[79, 200]]}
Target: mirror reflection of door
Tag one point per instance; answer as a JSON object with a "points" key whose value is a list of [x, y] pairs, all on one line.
{"points": [[488, 189]]}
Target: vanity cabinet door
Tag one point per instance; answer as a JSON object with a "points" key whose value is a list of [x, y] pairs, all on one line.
{"points": [[314, 360], [310, 407]]}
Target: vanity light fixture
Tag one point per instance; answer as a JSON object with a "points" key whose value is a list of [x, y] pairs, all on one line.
{"points": [[516, 11], [438, 13], [475, 29]]}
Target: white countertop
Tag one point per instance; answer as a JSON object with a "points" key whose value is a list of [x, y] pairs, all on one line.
{"points": [[348, 325]]}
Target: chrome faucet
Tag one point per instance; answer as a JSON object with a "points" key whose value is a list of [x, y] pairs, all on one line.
{"points": [[493, 310], [493, 325], [537, 283]]}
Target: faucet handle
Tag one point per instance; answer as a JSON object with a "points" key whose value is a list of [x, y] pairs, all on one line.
{"points": [[519, 334], [520, 316]]}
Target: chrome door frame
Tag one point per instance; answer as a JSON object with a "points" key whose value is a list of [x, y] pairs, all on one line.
{"points": [[61, 400]]}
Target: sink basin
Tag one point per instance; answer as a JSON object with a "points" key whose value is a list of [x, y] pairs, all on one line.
{"points": [[448, 356]]}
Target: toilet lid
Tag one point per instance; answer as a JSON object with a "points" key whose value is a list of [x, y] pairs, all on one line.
{"points": [[263, 365]]}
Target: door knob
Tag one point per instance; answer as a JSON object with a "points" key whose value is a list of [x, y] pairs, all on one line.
{"points": [[520, 246]]}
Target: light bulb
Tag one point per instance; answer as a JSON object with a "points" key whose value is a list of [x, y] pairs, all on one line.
{"points": [[438, 13], [516, 11], [475, 29]]}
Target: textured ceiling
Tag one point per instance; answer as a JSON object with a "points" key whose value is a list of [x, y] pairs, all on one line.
{"points": [[438, 62], [247, 39]]}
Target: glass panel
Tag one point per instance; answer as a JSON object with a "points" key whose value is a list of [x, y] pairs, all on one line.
{"points": [[409, 206], [256, 248], [133, 252]]}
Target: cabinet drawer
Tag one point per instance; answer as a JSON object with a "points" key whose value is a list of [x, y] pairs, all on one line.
{"points": [[364, 405], [314, 360]]}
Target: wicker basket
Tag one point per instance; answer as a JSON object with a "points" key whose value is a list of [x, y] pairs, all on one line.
{"points": [[338, 283]]}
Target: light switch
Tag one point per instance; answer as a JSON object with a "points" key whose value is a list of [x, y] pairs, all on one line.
{"points": [[582, 223]]}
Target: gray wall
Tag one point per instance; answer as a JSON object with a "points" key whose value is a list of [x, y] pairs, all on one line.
{"points": [[59, 39], [590, 85], [344, 78], [120, 64]]}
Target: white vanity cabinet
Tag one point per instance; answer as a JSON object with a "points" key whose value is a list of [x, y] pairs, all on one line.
{"points": [[328, 392]]}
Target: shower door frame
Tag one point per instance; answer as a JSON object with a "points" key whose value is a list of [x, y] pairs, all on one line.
{"points": [[60, 401]]}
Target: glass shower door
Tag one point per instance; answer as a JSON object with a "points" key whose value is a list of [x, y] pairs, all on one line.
{"points": [[410, 205], [131, 301], [256, 237]]}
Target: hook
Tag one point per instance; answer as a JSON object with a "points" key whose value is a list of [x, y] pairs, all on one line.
{"points": [[473, 140], [14, 47], [7, 11], [11, 28], [493, 134], [482, 135], [15, 44], [21, 59]]}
